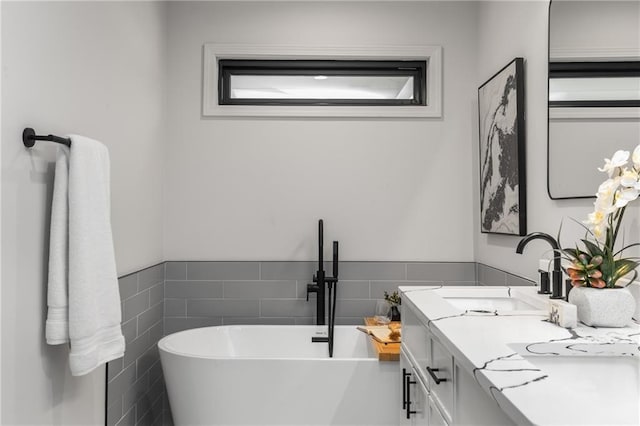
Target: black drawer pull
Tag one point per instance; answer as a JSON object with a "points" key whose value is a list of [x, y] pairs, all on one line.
{"points": [[404, 388], [408, 382], [432, 373]]}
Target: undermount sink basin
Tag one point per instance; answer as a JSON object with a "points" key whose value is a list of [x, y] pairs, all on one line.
{"points": [[615, 380], [490, 304]]}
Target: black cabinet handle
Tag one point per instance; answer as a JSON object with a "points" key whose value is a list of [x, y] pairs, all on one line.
{"points": [[432, 373], [407, 392], [404, 388]]}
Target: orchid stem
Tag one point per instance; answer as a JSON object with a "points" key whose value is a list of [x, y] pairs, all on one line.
{"points": [[619, 221]]}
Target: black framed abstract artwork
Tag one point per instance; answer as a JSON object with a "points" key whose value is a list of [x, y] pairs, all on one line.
{"points": [[502, 152]]}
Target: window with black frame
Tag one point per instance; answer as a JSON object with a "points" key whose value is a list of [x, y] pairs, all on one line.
{"points": [[594, 84], [322, 82]]}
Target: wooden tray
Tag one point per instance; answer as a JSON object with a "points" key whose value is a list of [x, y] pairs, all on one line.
{"points": [[385, 351], [380, 333]]}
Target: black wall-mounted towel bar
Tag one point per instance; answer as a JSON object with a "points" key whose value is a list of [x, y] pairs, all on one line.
{"points": [[29, 138]]}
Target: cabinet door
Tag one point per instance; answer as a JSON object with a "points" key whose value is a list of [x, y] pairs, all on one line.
{"points": [[405, 374], [414, 408], [419, 403], [435, 418], [440, 373], [473, 405], [416, 339]]}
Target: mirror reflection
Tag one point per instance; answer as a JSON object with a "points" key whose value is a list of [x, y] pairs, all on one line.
{"points": [[594, 90]]}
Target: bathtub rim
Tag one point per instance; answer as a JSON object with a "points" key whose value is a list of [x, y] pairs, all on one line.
{"points": [[162, 344]]}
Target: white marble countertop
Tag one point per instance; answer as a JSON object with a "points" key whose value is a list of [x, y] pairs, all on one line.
{"points": [[577, 376]]}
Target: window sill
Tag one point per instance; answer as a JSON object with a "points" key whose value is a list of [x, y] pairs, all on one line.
{"points": [[323, 111]]}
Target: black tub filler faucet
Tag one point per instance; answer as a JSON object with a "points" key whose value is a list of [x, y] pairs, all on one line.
{"points": [[320, 281]]}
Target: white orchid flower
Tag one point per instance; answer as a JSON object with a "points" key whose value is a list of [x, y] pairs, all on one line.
{"points": [[635, 157], [595, 218], [625, 196], [622, 187], [607, 190], [600, 232], [605, 208], [619, 159], [629, 178]]}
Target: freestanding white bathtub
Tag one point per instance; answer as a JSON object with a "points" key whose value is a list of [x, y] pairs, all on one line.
{"points": [[275, 375]]}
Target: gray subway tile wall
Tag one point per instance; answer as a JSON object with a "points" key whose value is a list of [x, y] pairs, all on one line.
{"points": [[223, 308], [442, 271], [173, 324], [490, 276], [175, 296], [514, 280], [487, 275], [260, 289], [372, 271], [213, 293], [220, 271], [135, 386], [194, 289], [175, 271], [287, 270]]}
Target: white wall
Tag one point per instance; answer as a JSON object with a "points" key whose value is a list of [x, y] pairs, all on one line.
{"points": [[507, 30], [253, 189], [96, 69]]}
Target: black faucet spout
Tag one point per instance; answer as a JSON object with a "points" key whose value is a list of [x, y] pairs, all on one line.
{"points": [[546, 237], [557, 265]]}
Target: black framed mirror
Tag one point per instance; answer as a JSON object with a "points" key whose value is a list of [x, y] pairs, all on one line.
{"points": [[594, 91]]}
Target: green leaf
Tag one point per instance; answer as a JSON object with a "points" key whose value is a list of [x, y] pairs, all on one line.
{"points": [[559, 232], [622, 267], [594, 250], [625, 265], [571, 252]]}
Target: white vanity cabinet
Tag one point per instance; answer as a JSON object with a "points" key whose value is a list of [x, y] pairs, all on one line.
{"points": [[438, 389], [416, 354]]}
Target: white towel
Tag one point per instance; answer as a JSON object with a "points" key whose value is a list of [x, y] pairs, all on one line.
{"points": [[57, 325], [83, 295]]}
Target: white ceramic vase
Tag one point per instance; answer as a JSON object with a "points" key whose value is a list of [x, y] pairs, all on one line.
{"points": [[603, 307]]}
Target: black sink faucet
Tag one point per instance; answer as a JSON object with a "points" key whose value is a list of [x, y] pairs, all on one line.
{"points": [[321, 280], [556, 277]]}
